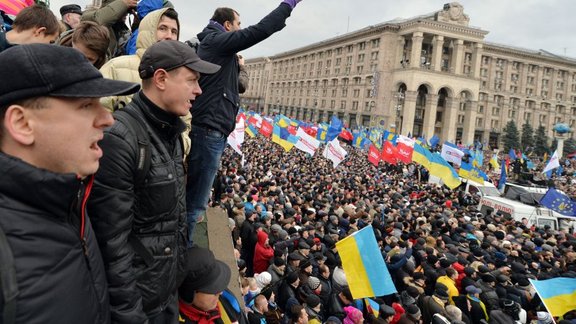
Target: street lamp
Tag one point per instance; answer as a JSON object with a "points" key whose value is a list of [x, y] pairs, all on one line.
{"points": [[399, 106]]}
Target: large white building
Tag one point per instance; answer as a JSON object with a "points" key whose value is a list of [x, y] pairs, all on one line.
{"points": [[426, 75]]}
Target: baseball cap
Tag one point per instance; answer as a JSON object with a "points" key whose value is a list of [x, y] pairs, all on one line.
{"points": [[170, 55], [37, 70]]}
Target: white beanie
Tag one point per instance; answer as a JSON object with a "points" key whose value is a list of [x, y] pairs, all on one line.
{"points": [[263, 279]]}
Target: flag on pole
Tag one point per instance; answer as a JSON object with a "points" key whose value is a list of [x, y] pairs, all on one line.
{"points": [[306, 142], [494, 161], [451, 153], [553, 163], [334, 129], [334, 152], [559, 202], [364, 266], [467, 171], [503, 177], [557, 294], [373, 155], [389, 153], [372, 306], [405, 146], [266, 128]]}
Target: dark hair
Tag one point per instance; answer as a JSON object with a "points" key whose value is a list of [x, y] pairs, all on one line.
{"points": [[224, 14], [296, 312], [36, 16], [172, 14], [95, 37]]}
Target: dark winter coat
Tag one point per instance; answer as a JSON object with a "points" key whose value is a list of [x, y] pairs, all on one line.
{"points": [[217, 107], [58, 266], [154, 213]]}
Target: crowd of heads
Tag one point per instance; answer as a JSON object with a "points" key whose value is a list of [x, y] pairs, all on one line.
{"points": [[436, 244]]}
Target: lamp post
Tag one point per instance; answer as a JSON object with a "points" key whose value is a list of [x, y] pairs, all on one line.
{"points": [[399, 105]]}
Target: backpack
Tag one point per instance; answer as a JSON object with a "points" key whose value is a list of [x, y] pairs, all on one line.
{"points": [[131, 119]]}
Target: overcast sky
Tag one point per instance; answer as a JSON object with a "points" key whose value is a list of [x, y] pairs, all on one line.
{"points": [[531, 24]]}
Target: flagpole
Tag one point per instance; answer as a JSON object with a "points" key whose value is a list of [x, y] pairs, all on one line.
{"points": [[543, 302]]}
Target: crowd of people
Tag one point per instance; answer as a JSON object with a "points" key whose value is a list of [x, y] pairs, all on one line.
{"points": [[448, 262], [98, 210]]}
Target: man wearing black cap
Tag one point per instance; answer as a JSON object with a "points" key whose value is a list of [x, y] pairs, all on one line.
{"points": [[203, 294], [138, 208], [71, 15], [51, 122], [386, 313]]}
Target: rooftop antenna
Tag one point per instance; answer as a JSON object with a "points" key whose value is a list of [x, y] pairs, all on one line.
{"points": [[348, 27]]}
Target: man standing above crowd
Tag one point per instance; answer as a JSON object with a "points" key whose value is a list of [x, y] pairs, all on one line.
{"points": [[34, 24], [51, 120], [138, 206], [214, 113]]}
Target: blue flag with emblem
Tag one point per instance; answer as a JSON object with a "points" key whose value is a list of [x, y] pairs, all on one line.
{"points": [[559, 202]]}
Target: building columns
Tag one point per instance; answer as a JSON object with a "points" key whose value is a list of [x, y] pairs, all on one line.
{"points": [[417, 39], [437, 52], [449, 122], [430, 115], [458, 56], [469, 123], [476, 60], [408, 112]]}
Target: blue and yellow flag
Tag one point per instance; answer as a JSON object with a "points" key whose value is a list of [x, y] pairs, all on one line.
{"points": [[441, 169], [282, 137], [467, 171], [422, 156], [251, 130], [364, 266], [372, 306], [559, 202], [557, 294], [503, 178], [283, 121]]}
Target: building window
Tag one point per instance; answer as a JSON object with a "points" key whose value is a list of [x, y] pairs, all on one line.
{"points": [[374, 56], [360, 58], [362, 46], [375, 43], [479, 122], [356, 93], [343, 104], [495, 111], [527, 116], [480, 109], [460, 119]]}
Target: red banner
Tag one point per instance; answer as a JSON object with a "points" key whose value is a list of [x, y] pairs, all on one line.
{"points": [[373, 155], [389, 153], [266, 128]]}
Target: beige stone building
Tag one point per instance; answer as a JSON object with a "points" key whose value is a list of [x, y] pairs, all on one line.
{"points": [[426, 75]]}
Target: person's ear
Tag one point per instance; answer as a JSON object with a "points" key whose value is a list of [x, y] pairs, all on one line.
{"points": [[18, 125], [228, 25], [159, 79], [39, 31]]}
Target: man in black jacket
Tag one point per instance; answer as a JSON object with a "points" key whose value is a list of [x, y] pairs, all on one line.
{"points": [[140, 221], [51, 117], [215, 111]]}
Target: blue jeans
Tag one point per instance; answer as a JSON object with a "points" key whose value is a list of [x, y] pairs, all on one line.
{"points": [[203, 163]]}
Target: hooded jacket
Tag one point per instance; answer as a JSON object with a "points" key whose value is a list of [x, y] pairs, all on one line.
{"points": [[125, 68], [218, 105], [262, 253], [154, 213], [59, 269], [109, 14]]}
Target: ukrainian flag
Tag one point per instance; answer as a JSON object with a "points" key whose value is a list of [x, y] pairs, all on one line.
{"points": [[441, 169], [422, 156], [365, 269], [494, 161], [282, 137], [557, 294], [283, 121], [250, 130], [467, 171]]}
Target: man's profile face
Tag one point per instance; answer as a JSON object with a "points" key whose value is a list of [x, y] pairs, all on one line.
{"points": [[167, 29], [72, 19], [66, 133], [234, 25], [182, 88]]}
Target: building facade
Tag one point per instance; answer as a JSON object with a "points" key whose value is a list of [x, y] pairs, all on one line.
{"points": [[422, 76]]}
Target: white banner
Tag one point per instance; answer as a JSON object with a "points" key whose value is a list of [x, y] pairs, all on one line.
{"points": [[334, 152], [236, 138], [451, 153], [553, 163], [306, 142]]}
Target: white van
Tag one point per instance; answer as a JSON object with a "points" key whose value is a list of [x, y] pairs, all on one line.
{"points": [[539, 216]]}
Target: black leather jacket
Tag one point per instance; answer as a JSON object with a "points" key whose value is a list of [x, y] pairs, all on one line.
{"points": [[59, 272], [154, 213]]}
